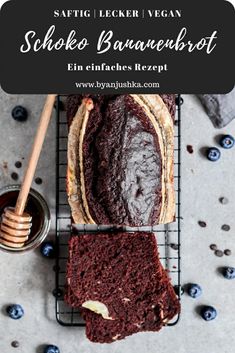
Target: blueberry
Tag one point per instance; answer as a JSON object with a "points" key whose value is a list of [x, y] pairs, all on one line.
{"points": [[19, 113], [213, 154], [51, 349], [208, 313], [15, 311], [48, 249], [227, 141], [194, 290], [229, 272]]}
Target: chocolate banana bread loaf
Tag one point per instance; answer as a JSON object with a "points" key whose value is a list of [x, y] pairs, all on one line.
{"points": [[120, 159], [119, 280]]}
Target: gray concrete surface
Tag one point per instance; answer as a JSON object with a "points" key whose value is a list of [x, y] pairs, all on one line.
{"points": [[28, 279]]}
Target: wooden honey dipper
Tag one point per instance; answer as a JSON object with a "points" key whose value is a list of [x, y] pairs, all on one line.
{"points": [[16, 224]]}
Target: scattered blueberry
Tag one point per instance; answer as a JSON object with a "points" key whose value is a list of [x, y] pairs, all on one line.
{"points": [[19, 113], [208, 313], [227, 141], [15, 311], [48, 249], [51, 349], [194, 290], [213, 154], [229, 272]]}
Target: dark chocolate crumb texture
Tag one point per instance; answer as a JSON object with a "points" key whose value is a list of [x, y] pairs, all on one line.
{"points": [[120, 159], [120, 285]]}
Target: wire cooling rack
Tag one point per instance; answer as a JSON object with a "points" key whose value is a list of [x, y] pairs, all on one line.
{"points": [[168, 236]]}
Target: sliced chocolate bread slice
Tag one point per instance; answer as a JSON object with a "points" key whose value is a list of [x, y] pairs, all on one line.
{"points": [[101, 330], [106, 331], [120, 159], [120, 279]]}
